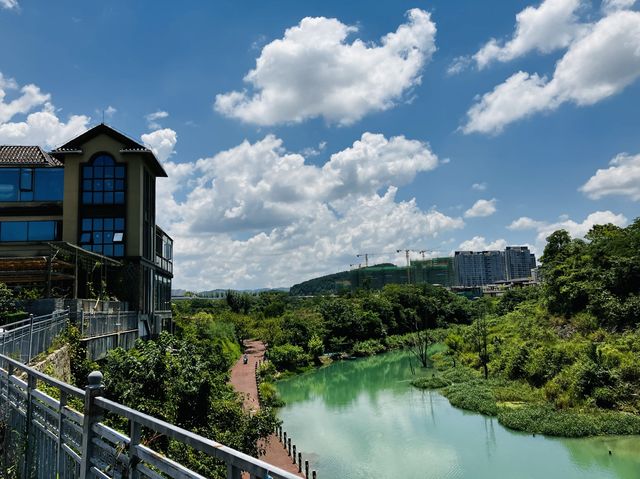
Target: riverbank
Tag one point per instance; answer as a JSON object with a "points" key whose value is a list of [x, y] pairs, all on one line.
{"points": [[243, 380], [521, 407]]}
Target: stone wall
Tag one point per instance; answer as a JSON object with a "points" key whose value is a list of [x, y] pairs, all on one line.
{"points": [[57, 364]]}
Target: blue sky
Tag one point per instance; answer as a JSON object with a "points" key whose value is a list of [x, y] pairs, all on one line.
{"points": [[363, 126]]}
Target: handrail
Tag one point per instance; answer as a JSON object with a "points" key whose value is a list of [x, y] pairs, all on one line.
{"points": [[56, 383], [202, 444], [82, 440]]}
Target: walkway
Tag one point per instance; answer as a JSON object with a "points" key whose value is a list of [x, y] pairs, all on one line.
{"points": [[243, 380]]}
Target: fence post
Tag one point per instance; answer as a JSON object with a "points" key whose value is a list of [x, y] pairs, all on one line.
{"points": [[60, 458], [136, 433], [31, 385], [91, 416], [7, 414], [30, 337]]}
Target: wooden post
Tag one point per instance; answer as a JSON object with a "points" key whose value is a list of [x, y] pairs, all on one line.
{"points": [[299, 462], [313, 474], [285, 440], [306, 469], [289, 446], [91, 416], [294, 454]]}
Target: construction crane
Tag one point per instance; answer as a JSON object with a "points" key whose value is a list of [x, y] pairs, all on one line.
{"points": [[407, 252], [366, 257]]}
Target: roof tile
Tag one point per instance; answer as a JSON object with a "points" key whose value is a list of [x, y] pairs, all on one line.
{"points": [[11, 155]]}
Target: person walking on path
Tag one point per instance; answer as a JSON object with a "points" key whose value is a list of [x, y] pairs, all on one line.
{"points": [[243, 379]]}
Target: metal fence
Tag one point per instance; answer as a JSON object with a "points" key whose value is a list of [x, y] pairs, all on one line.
{"points": [[45, 437], [105, 331], [25, 339]]}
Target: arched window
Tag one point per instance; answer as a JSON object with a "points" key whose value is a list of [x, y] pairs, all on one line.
{"points": [[103, 181]]}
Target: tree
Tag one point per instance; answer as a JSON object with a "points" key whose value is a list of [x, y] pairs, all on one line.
{"points": [[480, 335], [7, 302], [454, 344], [419, 346]]}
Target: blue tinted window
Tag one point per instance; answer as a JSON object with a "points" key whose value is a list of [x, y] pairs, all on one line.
{"points": [[26, 179], [13, 231], [49, 184], [9, 184], [99, 236], [29, 230], [42, 230], [104, 189]]}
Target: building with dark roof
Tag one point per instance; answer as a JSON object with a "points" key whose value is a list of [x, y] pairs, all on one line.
{"points": [[91, 201]]}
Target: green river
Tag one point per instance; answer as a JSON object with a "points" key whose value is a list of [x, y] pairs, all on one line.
{"points": [[363, 419]]}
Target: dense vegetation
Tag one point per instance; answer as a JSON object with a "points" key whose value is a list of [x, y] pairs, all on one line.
{"points": [[562, 359], [183, 379]]}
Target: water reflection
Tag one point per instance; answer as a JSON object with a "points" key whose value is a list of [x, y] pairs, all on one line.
{"points": [[362, 419]]}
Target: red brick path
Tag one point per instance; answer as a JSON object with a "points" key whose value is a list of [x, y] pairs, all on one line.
{"points": [[243, 380]]}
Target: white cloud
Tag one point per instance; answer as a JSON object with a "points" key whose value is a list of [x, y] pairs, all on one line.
{"points": [[9, 4], [575, 229], [41, 127], [481, 208], [479, 243], [621, 178], [479, 186], [525, 223], [313, 151], [257, 215], [610, 6], [110, 111], [161, 142], [548, 27], [598, 65], [458, 65], [258, 185], [313, 71], [152, 119]]}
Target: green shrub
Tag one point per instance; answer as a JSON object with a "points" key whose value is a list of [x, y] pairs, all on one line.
{"points": [[269, 395], [544, 419], [368, 347], [288, 357], [473, 395]]}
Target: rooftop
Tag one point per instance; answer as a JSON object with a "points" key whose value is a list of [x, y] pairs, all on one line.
{"points": [[11, 155]]}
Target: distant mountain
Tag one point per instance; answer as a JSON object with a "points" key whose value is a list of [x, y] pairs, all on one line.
{"points": [[220, 293]]}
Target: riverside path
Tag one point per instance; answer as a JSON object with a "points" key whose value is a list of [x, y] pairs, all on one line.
{"points": [[243, 379]]}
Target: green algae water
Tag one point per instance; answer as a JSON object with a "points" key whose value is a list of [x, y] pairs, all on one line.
{"points": [[363, 419]]}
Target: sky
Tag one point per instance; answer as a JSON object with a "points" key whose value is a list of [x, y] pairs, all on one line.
{"points": [[297, 135]]}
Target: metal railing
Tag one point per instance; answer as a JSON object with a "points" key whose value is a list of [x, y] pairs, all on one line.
{"points": [[25, 339], [103, 332], [47, 438]]}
